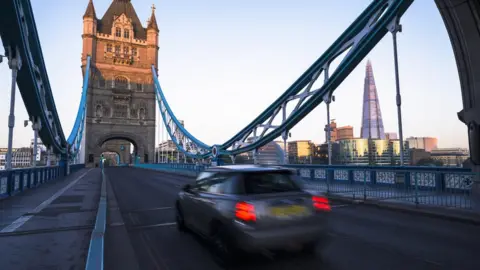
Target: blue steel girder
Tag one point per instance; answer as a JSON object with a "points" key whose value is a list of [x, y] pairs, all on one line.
{"points": [[183, 140], [18, 30], [75, 138], [359, 39]]}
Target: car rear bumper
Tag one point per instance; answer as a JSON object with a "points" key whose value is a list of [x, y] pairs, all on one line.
{"points": [[280, 238]]}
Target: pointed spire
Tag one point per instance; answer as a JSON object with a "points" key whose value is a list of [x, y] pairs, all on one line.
{"points": [[152, 22], [90, 12], [372, 122]]}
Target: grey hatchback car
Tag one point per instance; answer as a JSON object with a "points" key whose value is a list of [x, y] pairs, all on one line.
{"points": [[252, 209]]}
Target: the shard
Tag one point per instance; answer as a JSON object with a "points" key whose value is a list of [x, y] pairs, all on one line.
{"points": [[372, 123]]}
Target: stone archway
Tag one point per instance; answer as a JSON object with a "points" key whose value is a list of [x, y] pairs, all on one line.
{"points": [[462, 20], [121, 147], [107, 154], [98, 146]]}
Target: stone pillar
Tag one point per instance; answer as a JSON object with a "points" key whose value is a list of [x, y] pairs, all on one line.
{"points": [[461, 20]]}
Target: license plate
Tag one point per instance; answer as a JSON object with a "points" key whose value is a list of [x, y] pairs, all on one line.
{"points": [[294, 210]]}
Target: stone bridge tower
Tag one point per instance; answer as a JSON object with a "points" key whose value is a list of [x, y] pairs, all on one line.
{"points": [[121, 100]]}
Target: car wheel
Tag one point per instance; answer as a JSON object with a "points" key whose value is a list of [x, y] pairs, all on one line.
{"points": [[180, 219], [223, 250]]}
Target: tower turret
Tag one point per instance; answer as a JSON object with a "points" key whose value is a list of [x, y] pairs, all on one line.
{"points": [[152, 38], [89, 32]]}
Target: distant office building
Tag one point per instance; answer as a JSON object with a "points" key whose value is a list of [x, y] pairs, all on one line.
{"points": [[453, 157], [21, 157], [166, 152], [360, 151], [418, 154], [338, 133], [426, 143], [280, 143], [391, 136], [300, 151], [321, 153], [41, 148], [345, 133], [372, 123], [271, 154], [333, 131]]}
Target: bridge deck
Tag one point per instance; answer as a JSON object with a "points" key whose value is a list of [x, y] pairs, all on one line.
{"points": [[57, 222], [50, 227], [366, 237]]}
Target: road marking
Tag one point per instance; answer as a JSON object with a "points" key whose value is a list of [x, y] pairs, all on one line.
{"points": [[149, 209], [48, 230], [153, 226], [116, 224], [95, 257], [21, 220]]}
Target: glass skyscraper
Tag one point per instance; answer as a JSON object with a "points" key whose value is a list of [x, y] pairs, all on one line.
{"points": [[372, 123]]}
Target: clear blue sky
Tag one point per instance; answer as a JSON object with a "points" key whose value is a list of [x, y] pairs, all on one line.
{"points": [[222, 62]]}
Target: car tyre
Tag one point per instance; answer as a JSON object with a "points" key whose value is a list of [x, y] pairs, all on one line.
{"points": [[180, 220], [224, 251]]}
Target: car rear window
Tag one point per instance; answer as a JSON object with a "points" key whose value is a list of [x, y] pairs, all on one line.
{"points": [[262, 183]]}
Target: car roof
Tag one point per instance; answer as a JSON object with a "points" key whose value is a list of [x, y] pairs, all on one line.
{"points": [[246, 168]]}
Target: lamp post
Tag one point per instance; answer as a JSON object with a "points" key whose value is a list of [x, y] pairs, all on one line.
{"points": [[395, 28], [328, 99], [36, 126], [14, 63]]}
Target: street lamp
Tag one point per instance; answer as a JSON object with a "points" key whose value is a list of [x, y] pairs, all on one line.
{"points": [[36, 126], [328, 99], [14, 63]]}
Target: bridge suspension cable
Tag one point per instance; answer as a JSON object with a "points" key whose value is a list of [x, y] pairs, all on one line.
{"points": [[351, 47]]}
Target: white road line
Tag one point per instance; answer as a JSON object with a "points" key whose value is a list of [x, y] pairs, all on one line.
{"points": [[152, 209], [21, 220], [155, 225]]}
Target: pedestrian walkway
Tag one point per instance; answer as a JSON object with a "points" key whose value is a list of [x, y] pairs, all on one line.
{"points": [[50, 227]]}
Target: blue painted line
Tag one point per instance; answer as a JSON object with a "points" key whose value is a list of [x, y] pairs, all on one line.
{"points": [[95, 256]]}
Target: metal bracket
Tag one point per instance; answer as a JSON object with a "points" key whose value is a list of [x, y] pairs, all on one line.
{"points": [[395, 27], [14, 58]]}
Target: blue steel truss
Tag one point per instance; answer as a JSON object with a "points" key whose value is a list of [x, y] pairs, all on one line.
{"points": [[19, 33], [355, 43], [185, 142], [76, 135], [20, 38]]}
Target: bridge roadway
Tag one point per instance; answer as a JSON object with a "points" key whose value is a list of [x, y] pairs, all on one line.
{"points": [[52, 225], [363, 237]]}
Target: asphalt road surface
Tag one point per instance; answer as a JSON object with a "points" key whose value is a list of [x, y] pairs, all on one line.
{"points": [[142, 234]]}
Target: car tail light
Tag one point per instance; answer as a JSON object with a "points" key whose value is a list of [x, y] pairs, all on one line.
{"points": [[245, 211], [321, 203]]}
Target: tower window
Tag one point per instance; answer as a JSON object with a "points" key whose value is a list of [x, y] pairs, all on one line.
{"points": [[109, 47], [118, 32], [134, 51], [117, 49], [126, 33], [125, 51], [121, 82], [142, 113], [139, 87]]}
